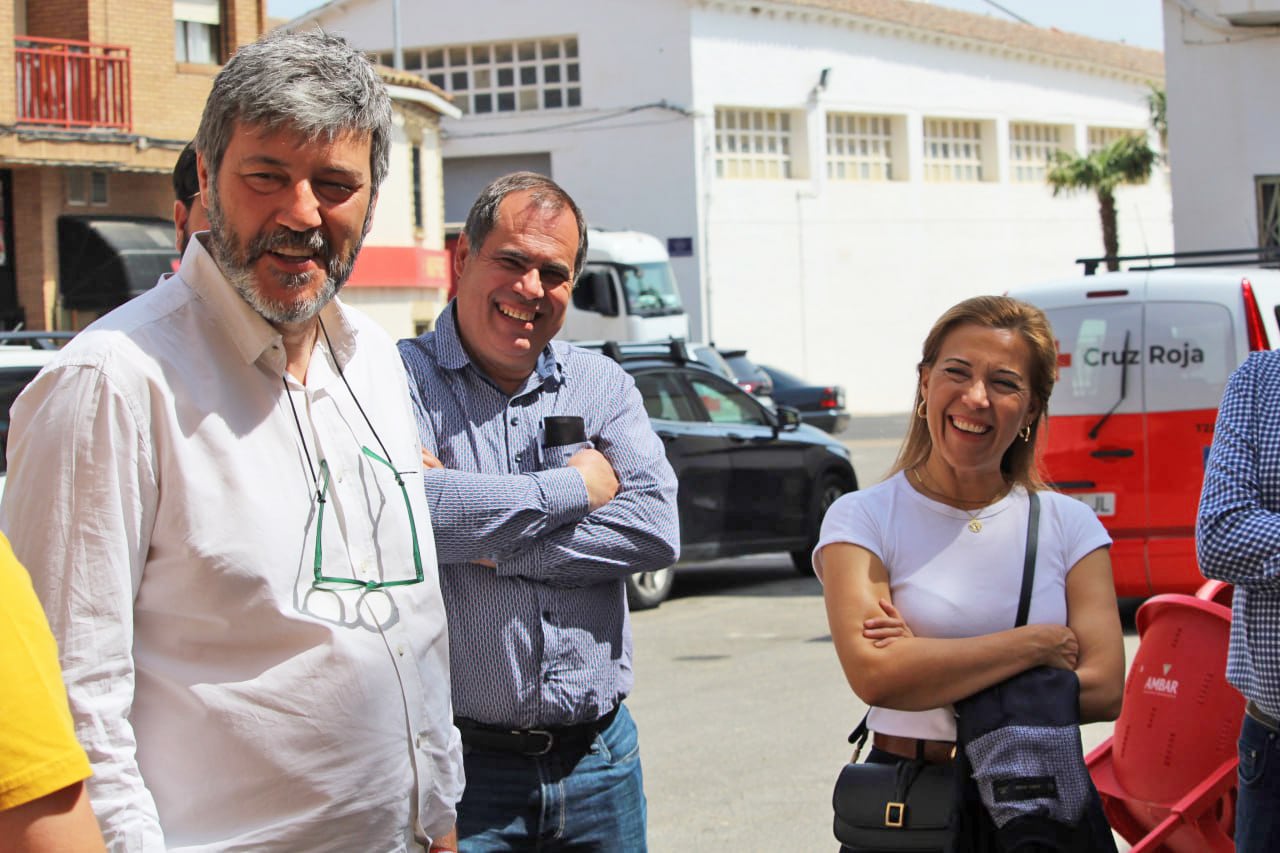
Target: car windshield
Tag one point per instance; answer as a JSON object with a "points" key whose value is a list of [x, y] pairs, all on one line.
{"points": [[783, 380], [650, 289], [743, 367], [12, 381]]}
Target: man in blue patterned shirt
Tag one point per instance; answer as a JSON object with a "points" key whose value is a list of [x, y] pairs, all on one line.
{"points": [[534, 542], [1238, 540]]}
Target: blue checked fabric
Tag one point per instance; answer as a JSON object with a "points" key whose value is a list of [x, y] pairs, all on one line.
{"points": [[545, 639], [1021, 752], [1238, 529]]}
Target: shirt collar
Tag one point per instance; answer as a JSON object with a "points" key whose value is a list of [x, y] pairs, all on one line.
{"points": [[253, 337], [450, 354]]}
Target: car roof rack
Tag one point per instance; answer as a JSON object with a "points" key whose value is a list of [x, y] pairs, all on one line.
{"points": [[1265, 256], [673, 348]]}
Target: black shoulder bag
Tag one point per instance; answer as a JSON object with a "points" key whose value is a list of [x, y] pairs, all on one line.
{"points": [[909, 806]]}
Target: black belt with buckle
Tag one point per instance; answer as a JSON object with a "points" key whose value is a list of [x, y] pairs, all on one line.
{"points": [[1251, 708], [532, 742]]}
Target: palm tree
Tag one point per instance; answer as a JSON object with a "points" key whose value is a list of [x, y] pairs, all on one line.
{"points": [[1156, 103], [1128, 160]]}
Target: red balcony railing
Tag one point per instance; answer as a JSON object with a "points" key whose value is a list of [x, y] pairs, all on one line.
{"points": [[73, 84]]}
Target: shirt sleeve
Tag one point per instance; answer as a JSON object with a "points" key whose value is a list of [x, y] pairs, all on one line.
{"points": [[849, 520], [1237, 538], [1083, 531], [637, 531], [491, 516], [78, 507]]}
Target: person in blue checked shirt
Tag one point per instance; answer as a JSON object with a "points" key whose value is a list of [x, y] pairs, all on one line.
{"points": [[1238, 541], [536, 532]]}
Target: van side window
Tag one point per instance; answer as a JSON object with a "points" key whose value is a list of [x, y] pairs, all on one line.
{"points": [[1189, 352], [1098, 345]]}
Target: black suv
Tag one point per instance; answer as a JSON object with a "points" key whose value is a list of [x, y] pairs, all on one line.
{"points": [[752, 480]]}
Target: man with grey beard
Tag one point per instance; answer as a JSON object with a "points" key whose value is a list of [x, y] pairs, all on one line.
{"points": [[217, 490]]}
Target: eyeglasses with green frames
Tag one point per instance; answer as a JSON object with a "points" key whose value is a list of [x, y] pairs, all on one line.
{"points": [[321, 482], [323, 581]]}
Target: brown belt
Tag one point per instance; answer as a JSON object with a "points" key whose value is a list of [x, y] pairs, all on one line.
{"points": [[933, 751], [1262, 716]]}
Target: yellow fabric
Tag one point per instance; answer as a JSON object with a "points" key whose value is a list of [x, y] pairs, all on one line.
{"points": [[38, 749]]}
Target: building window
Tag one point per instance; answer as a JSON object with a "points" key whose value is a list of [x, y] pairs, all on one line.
{"points": [[1032, 148], [1101, 137], [753, 143], [86, 186], [502, 77], [859, 147], [197, 31], [1268, 211], [952, 150], [415, 161]]}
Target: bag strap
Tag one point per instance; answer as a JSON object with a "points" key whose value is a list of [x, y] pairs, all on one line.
{"points": [[1029, 562], [859, 735]]}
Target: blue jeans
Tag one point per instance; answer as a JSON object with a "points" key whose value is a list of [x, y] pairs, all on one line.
{"points": [[1258, 803], [550, 803]]}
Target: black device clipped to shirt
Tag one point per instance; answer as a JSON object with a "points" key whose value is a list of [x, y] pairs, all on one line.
{"points": [[562, 436]]}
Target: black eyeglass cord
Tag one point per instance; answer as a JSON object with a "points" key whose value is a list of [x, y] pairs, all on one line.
{"points": [[343, 376], [288, 395], [298, 421]]}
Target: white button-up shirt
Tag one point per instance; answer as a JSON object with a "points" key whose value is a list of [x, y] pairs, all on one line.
{"points": [[159, 493]]}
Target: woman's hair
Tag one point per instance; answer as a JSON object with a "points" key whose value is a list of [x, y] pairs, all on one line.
{"points": [[991, 312]]}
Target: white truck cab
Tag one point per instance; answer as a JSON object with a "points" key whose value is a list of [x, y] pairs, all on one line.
{"points": [[1143, 359], [627, 291]]}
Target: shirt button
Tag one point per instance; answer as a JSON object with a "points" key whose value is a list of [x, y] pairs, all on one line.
{"points": [[400, 650], [546, 678], [515, 421], [417, 741]]}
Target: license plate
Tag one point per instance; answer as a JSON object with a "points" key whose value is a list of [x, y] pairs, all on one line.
{"points": [[1103, 503]]}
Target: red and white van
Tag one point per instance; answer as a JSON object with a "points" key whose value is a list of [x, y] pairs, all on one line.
{"points": [[1143, 357]]}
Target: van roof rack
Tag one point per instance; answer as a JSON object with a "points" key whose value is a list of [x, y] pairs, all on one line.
{"points": [[1264, 256]]}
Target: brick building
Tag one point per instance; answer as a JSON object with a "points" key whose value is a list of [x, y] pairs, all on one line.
{"points": [[96, 99]]}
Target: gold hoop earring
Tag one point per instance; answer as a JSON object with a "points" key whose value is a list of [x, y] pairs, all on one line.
{"points": [[1025, 432], [920, 410]]}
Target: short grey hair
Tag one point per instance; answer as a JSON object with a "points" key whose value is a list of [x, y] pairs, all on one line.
{"points": [[311, 82], [546, 193]]}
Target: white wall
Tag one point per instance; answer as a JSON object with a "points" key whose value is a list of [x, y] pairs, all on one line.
{"points": [[398, 310], [839, 281], [1223, 125]]}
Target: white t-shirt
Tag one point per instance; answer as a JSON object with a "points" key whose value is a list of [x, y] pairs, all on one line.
{"points": [[948, 581]]}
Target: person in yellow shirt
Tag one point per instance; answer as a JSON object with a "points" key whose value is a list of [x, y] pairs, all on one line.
{"points": [[43, 804]]}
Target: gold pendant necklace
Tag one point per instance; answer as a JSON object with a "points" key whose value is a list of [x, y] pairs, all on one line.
{"points": [[975, 520]]}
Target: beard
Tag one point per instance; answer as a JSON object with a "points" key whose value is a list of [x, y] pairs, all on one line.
{"points": [[236, 260]]}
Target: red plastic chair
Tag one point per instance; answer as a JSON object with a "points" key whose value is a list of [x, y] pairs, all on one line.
{"points": [[1167, 776]]}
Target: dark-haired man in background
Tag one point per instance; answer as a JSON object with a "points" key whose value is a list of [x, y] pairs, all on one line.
{"points": [[188, 213]]}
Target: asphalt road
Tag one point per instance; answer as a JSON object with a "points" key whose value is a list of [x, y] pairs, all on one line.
{"points": [[743, 711]]}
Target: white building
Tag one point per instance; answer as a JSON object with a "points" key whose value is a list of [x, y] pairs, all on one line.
{"points": [[401, 277], [1222, 56], [838, 171]]}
